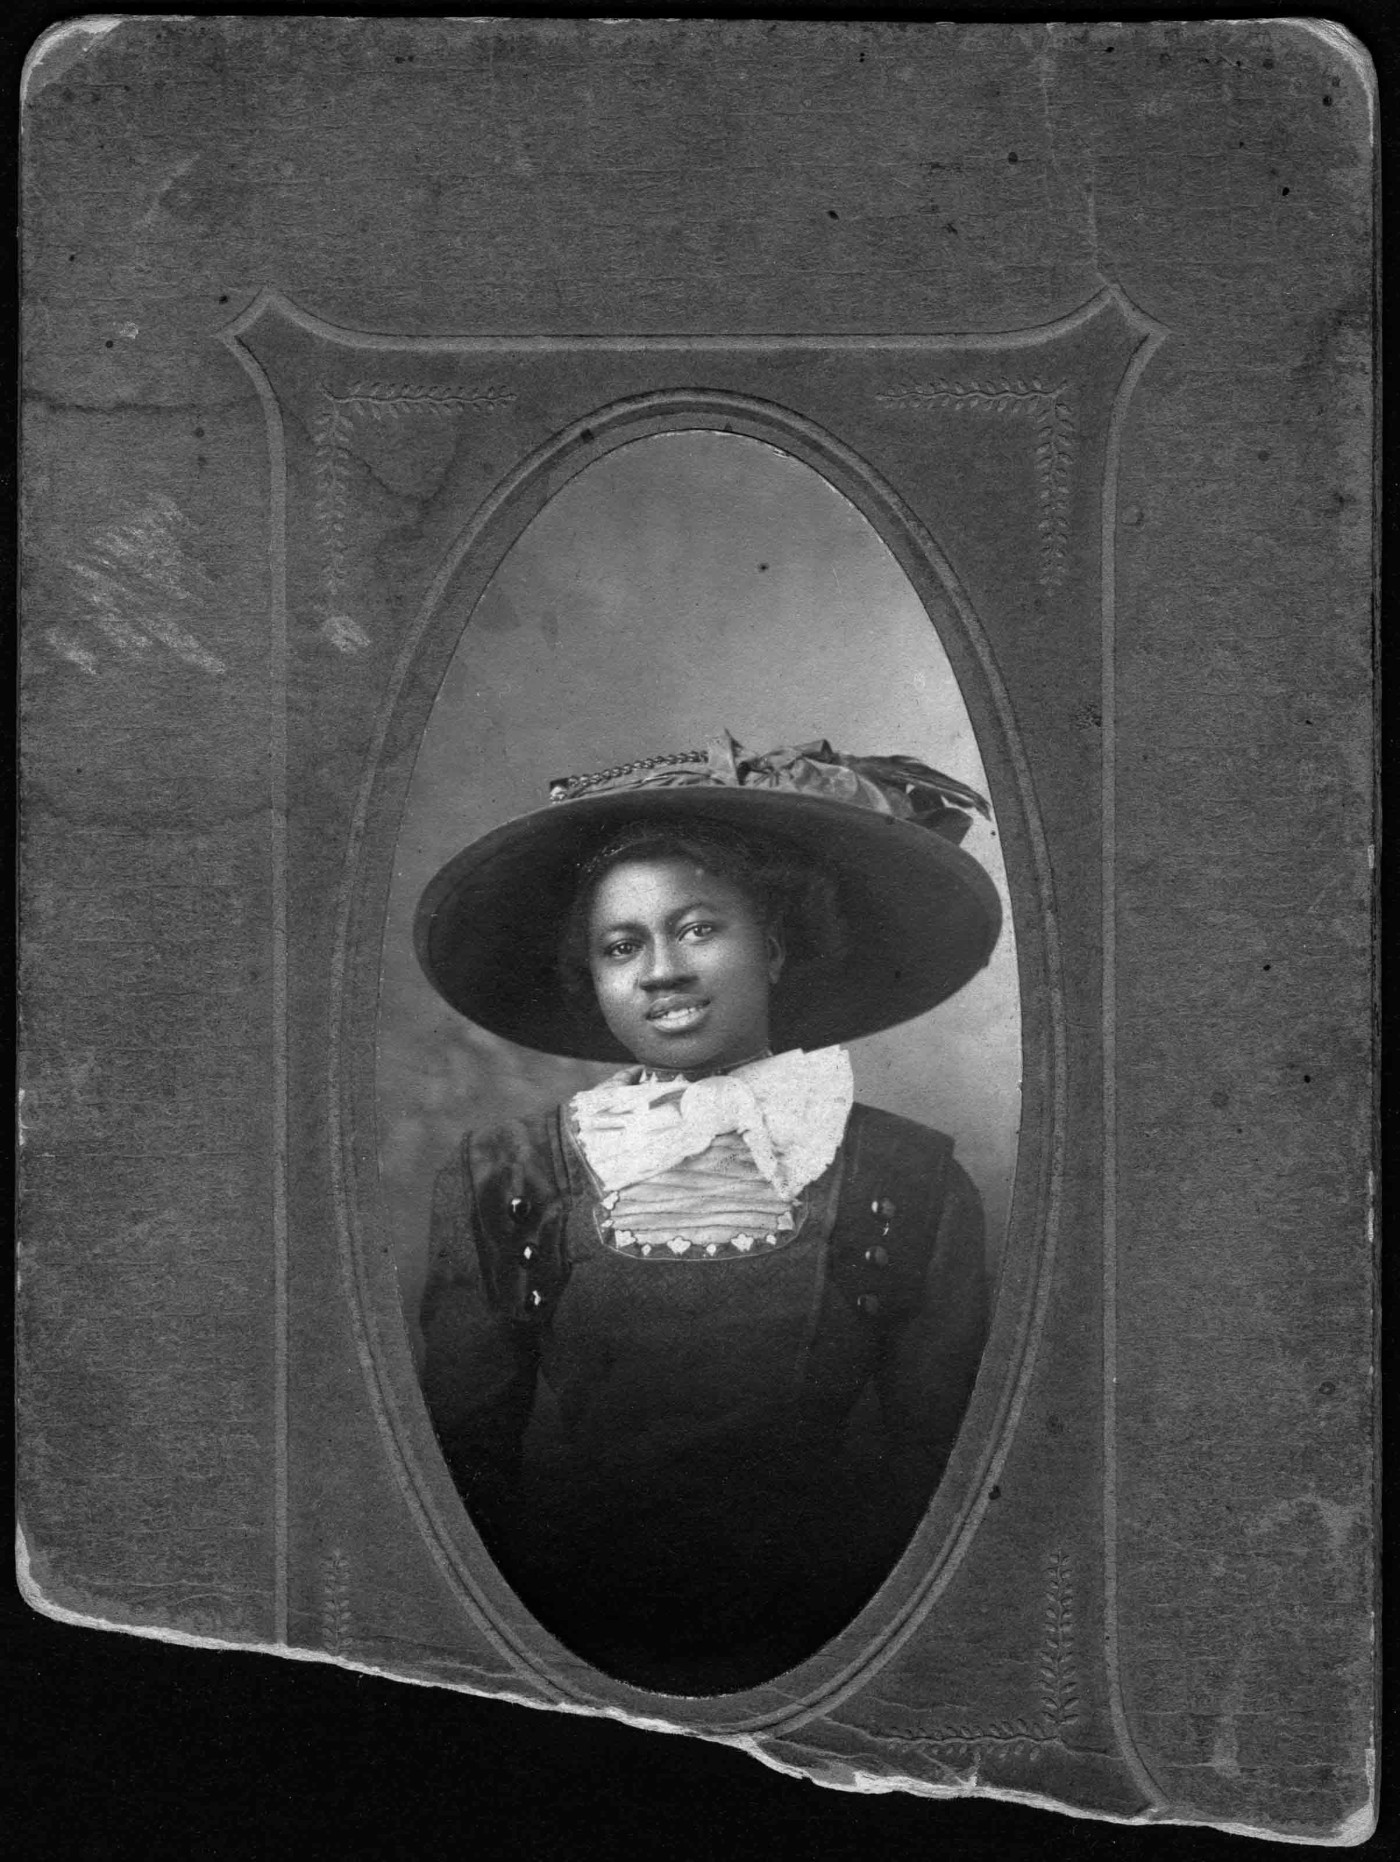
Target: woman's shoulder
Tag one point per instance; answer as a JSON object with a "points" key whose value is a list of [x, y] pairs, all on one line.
{"points": [[885, 1149], [872, 1124], [510, 1137], [518, 1159]]}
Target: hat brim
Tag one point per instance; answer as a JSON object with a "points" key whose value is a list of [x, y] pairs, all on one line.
{"points": [[923, 916]]}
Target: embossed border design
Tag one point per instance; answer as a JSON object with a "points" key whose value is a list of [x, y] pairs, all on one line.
{"points": [[337, 1623], [550, 1682], [1052, 411], [334, 431], [1057, 1710]]}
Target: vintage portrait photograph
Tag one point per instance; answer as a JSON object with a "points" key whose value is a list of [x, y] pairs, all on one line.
{"points": [[699, 1066], [698, 848]]}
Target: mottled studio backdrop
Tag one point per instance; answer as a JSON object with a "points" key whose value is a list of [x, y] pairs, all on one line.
{"points": [[684, 584]]}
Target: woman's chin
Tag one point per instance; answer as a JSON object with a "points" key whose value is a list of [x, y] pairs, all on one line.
{"points": [[678, 1055], [695, 1052]]}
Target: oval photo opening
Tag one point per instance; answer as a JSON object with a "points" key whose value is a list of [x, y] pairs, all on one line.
{"points": [[699, 1083]]}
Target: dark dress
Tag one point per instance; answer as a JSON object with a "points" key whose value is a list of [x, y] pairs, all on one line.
{"points": [[694, 1473]]}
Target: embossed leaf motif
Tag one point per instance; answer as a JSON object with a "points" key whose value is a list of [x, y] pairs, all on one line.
{"points": [[336, 1624], [1025, 1736], [1059, 1691], [1052, 412], [334, 432]]}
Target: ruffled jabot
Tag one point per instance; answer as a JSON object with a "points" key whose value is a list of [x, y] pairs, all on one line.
{"points": [[716, 1165]]}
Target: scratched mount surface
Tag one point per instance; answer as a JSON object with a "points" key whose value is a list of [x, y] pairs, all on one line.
{"points": [[353, 300]]}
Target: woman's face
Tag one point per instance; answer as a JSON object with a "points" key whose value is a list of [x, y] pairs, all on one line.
{"points": [[682, 965]]}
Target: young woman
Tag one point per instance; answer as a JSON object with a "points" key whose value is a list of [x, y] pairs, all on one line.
{"points": [[699, 1341]]}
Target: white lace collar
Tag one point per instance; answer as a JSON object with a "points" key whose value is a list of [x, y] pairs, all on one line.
{"points": [[790, 1110]]}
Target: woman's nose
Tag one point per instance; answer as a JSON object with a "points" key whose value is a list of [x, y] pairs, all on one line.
{"points": [[665, 964]]}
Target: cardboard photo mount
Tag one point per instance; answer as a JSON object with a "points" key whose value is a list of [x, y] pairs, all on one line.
{"points": [[1142, 1589]]}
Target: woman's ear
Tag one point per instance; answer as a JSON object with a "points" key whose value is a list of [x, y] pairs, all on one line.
{"points": [[777, 953]]}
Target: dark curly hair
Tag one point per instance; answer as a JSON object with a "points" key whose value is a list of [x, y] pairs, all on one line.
{"points": [[792, 894]]}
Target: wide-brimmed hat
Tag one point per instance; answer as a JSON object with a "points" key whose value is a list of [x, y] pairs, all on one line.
{"points": [[922, 916]]}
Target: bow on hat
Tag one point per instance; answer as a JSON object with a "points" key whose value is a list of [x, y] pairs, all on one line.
{"points": [[899, 786]]}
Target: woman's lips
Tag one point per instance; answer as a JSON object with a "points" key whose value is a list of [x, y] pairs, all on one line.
{"points": [[677, 1017]]}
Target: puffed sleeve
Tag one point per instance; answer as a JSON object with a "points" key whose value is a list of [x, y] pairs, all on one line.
{"points": [[480, 1366], [927, 1370]]}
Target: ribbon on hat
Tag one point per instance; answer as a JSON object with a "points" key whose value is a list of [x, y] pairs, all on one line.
{"points": [[888, 785], [790, 1111]]}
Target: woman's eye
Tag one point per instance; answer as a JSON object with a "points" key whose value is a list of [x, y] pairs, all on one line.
{"points": [[699, 930], [622, 948]]}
